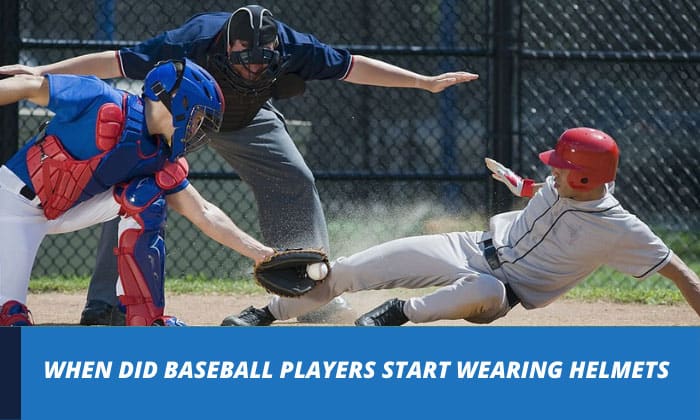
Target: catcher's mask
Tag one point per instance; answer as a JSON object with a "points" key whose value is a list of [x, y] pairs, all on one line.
{"points": [[193, 98], [254, 25], [590, 154]]}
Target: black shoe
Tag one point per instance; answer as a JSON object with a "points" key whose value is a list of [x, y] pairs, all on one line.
{"points": [[97, 312], [389, 313], [250, 317]]}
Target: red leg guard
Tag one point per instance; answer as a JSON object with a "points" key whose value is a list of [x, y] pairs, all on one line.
{"points": [[137, 298], [15, 314], [141, 253]]}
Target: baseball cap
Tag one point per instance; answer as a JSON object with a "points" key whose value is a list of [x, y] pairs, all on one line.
{"points": [[245, 20]]}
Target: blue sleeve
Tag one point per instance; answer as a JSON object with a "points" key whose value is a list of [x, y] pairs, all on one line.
{"points": [[311, 59], [72, 96], [190, 40], [181, 186]]}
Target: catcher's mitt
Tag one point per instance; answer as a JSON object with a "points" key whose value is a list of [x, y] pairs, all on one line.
{"points": [[284, 273]]}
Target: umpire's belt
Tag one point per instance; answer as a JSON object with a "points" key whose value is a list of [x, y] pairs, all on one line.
{"points": [[491, 254], [11, 182]]}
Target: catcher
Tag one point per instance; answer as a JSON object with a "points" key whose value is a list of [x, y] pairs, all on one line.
{"points": [[107, 153]]}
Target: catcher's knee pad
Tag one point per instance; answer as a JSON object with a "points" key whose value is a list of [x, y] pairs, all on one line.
{"points": [[15, 314], [136, 198], [141, 254]]}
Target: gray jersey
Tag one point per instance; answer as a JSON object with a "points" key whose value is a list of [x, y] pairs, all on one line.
{"points": [[555, 242]]}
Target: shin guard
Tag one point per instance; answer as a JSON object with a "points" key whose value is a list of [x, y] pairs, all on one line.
{"points": [[141, 255]]}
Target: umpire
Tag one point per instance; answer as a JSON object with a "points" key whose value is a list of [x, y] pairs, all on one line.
{"points": [[255, 58]]}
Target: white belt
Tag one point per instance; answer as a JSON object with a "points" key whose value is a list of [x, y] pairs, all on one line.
{"points": [[11, 182]]}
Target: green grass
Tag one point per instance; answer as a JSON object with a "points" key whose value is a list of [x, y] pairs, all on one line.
{"points": [[604, 285], [186, 285], [609, 285], [626, 295]]}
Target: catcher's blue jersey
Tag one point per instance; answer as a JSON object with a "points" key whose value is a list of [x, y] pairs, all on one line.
{"points": [[76, 101]]}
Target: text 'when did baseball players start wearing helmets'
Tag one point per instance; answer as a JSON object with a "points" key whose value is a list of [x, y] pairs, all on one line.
{"points": [[345, 369]]}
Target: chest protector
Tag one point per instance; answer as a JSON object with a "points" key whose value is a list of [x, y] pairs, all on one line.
{"points": [[242, 107], [59, 179]]}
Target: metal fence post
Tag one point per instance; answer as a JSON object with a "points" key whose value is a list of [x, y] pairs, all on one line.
{"points": [[503, 95], [448, 108], [9, 54]]}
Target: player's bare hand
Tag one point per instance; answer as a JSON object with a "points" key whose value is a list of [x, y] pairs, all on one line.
{"points": [[14, 69], [515, 183], [263, 254], [441, 82]]}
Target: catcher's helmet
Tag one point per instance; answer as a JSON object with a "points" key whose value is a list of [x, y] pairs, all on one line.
{"points": [[590, 154], [193, 98]]}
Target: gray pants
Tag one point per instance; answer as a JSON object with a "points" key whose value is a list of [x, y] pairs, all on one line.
{"points": [[265, 157], [454, 261]]}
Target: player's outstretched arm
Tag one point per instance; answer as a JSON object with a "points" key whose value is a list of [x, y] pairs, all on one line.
{"points": [[368, 71], [516, 184], [32, 88], [104, 65], [685, 279], [216, 224]]}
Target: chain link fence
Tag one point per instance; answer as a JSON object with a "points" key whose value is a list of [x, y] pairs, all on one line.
{"points": [[398, 162], [630, 68]]}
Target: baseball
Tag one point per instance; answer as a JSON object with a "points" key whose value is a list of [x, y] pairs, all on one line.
{"points": [[317, 271]]}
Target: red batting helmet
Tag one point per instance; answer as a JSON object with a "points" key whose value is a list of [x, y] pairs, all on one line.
{"points": [[591, 155]]}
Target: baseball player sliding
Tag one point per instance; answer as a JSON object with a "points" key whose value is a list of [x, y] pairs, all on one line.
{"points": [[571, 226], [104, 154]]}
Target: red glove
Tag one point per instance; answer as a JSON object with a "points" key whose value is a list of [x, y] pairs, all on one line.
{"points": [[517, 185]]}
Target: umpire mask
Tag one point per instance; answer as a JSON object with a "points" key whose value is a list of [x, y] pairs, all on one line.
{"points": [[255, 26]]}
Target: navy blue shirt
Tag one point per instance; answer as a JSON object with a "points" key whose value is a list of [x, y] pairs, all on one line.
{"points": [[308, 58]]}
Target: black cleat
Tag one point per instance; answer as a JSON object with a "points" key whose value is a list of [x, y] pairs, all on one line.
{"points": [[97, 312], [250, 317], [389, 313]]}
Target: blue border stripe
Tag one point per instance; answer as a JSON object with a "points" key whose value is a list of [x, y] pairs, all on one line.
{"points": [[619, 372], [10, 373]]}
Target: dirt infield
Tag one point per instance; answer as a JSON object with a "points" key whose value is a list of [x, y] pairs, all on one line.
{"points": [[64, 309]]}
